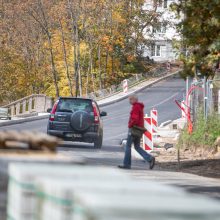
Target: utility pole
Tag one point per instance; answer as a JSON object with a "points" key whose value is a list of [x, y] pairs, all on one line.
{"points": [[205, 84]]}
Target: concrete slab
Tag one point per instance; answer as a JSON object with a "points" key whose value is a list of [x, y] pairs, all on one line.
{"points": [[28, 157]]}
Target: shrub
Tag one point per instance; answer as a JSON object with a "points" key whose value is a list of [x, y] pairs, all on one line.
{"points": [[204, 133]]}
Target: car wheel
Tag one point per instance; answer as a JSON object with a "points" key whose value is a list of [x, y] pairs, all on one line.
{"points": [[98, 143]]}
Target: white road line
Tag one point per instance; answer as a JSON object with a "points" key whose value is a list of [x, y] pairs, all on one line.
{"points": [[125, 115], [166, 100]]}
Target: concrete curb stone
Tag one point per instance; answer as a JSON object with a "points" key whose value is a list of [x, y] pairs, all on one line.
{"points": [[19, 121]]}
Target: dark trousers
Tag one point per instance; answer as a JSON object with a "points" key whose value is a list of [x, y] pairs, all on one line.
{"points": [[136, 140]]}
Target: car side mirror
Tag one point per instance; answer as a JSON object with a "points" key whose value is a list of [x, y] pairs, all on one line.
{"points": [[49, 110], [103, 114]]}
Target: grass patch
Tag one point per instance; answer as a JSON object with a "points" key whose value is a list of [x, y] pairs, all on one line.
{"points": [[204, 134]]}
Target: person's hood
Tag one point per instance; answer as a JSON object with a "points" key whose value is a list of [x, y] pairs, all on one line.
{"points": [[139, 105]]}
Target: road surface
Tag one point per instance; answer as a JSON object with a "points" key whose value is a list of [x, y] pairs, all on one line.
{"points": [[161, 96]]}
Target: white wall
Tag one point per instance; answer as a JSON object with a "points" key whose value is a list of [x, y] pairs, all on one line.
{"points": [[164, 40]]}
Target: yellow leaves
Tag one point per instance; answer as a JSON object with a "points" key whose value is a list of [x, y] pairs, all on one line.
{"points": [[118, 17]]}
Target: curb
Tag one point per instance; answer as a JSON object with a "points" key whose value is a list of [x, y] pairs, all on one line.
{"points": [[138, 90], [20, 121]]}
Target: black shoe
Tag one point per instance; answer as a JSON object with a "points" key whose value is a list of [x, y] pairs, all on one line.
{"points": [[124, 167], [152, 163]]}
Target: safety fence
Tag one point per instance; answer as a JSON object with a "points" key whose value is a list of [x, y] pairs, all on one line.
{"points": [[202, 96]]}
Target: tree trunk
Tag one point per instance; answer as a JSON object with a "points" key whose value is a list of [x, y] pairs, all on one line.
{"points": [[100, 69], [78, 61], [65, 59], [53, 67], [45, 27], [91, 68], [74, 35], [106, 67], [87, 81]]}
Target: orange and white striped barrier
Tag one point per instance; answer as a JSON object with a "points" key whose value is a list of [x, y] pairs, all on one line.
{"points": [[154, 116], [148, 135], [125, 86], [183, 109]]}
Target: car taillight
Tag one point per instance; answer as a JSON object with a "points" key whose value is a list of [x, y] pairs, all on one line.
{"points": [[52, 114], [96, 113]]}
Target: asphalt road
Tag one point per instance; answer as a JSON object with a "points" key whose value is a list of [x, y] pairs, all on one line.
{"points": [[160, 96]]}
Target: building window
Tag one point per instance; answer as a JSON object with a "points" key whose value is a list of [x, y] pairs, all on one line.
{"points": [[160, 28], [165, 5], [161, 3], [158, 3], [155, 50], [158, 51]]}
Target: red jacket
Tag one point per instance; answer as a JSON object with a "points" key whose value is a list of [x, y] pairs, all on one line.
{"points": [[136, 115]]}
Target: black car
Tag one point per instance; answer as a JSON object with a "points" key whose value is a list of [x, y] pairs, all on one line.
{"points": [[76, 119]]}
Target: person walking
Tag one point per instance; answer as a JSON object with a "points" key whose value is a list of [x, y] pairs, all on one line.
{"points": [[135, 131]]}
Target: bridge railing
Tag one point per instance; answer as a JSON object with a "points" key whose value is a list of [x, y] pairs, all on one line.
{"points": [[32, 104], [37, 103], [136, 78]]}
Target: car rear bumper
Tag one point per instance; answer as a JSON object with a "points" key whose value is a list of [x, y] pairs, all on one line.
{"points": [[5, 117], [89, 137]]}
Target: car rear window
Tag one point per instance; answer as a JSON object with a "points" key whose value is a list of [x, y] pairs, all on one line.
{"points": [[73, 105], [4, 110]]}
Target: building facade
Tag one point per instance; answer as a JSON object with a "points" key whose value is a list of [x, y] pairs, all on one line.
{"points": [[163, 36]]}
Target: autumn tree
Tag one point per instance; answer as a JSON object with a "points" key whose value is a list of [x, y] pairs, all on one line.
{"points": [[70, 47], [200, 29]]}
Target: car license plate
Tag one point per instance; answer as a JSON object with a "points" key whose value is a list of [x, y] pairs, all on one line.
{"points": [[77, 135]]}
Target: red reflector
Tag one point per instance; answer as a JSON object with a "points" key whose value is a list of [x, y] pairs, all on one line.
{"points": [[52, 114], [52, 117], [96, 113]]}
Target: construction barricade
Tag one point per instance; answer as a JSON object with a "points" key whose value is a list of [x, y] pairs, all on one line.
{"points": [[125, 86], [154, 116], [148, 135]]}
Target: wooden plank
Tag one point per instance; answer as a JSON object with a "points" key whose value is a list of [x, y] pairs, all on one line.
{"points": [[34, 140]]}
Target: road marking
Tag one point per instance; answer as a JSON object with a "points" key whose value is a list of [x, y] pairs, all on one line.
{"points": [[166, 100], [158, 104]]}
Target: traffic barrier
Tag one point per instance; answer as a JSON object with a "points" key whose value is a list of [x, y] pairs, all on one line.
{"points": [[125, 86], [183, 109], [148, 135], [154, 116]]}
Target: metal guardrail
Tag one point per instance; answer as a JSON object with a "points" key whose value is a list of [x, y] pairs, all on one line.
{"points": [[37, 103], [101, 94]]}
